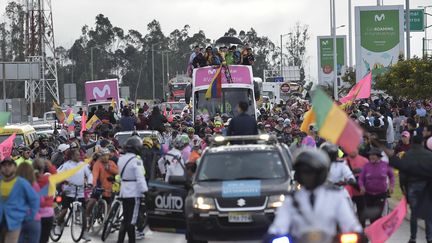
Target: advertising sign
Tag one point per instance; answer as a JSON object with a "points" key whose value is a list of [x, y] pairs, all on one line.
{"points": [[239, 75], [102, 90], [325, 57], [379, 38]]}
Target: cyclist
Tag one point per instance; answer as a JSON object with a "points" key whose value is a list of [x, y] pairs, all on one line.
{"points": [[103, 170], [25, 155], [74, 188], [339, 174], [133, 186], [172, 163], [315, 208]]}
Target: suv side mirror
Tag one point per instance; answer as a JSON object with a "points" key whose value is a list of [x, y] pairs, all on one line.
{"points": [[177, 180]]}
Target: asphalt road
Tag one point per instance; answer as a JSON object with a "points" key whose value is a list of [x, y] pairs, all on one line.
{"points": [[401, 236]]}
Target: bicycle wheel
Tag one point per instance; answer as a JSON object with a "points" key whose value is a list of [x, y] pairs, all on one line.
{"points": [[56, 237], [110, 220], [98, 215], [77, 221]]}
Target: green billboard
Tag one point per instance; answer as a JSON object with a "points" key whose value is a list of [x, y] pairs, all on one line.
{"points": [[379, 38], [326, 59]]}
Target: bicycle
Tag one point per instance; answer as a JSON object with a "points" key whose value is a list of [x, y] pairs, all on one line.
{"points": [[75, 215], [98, 213], [113, 221]]}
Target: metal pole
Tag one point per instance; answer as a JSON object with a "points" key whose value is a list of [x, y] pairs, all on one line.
{"points": [[407, 24], [91, 62], [4, 86], [153, 76], [281, 55], [163, 75], [167, 80], [335, 83], [350, 34]]}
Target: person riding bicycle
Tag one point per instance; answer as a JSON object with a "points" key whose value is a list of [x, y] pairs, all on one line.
{"points": [[172, 163], [315, 209], [147, 155], [339, 174], [103, 170], [25, 153], [133, 186], [74, 188]]}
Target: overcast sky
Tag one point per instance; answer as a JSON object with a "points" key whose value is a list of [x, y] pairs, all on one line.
{"points": [[268, 17]]}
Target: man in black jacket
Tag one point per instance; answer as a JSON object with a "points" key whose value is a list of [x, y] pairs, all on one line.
{"points": [[416, 166], [243, 124]]}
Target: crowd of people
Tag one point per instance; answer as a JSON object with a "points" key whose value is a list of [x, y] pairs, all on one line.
{"points": [[397, 133]]}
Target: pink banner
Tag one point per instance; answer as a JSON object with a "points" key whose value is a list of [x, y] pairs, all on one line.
{"points": [[102, 90], [6, 147], [239, 75], [382, 229]]}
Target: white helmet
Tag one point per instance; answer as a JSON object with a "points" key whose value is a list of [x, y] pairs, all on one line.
{"points": [[63, 147]]}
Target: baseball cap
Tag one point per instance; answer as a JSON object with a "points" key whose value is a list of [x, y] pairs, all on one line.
{"points": [[406, 134], [63, 147]]}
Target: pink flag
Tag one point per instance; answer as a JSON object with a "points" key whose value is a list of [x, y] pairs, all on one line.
{"points": [[83, 124], [361, 90], [382, 229], [6, 147]]}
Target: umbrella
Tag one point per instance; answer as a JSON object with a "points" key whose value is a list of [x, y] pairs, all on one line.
{"points": [[229, 40]]}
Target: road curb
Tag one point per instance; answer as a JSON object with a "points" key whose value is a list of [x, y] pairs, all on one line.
{"points": [[393, 203]]}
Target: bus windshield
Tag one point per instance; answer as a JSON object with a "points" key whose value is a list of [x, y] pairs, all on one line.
{"points": [[226, 104], [181, 86]]}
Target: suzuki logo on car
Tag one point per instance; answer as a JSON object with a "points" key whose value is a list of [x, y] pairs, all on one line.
{"points": [[379, 18], [169, 202], [241, 202], [98, 93]]}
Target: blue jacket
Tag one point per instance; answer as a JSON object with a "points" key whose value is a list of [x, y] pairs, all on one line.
{"points": [[21, 200]]}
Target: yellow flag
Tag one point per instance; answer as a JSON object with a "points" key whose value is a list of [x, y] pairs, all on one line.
{"points": [[59, 112], [93, 122], [62, 176], [308, 119], [113, 103]]}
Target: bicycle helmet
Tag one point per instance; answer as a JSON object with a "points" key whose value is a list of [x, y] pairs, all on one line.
{"points": [[147, 141], [311, 168], [332, 150], [190, 130], [178, 143], [133, 145]]}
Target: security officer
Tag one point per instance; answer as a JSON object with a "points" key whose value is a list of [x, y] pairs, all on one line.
{"points": [[314, 209], [133, 185]]}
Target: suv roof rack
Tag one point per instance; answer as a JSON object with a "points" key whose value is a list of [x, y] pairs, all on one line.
{"points": [[245, 139]]}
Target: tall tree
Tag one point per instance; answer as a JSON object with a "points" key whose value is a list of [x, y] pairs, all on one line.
{"points": [[296, 47]]}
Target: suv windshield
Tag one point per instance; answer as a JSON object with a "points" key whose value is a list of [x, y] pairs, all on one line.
{"points": [[242, 165], [226, 104]]}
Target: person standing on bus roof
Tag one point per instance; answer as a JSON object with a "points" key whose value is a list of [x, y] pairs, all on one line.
{"points": [[243, 124]]}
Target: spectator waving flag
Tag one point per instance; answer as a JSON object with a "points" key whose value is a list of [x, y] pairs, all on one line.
{"points": [[215, 88], [362, 90], [334, 124], [83, 124], [93, 123]]}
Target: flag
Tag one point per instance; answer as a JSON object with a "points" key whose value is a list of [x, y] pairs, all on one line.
{"points": [[70, 122], [382, 229], [113, 103], [93, 123], [333, 123], [6, 147], [50, 188], [215, 88], [308, 120], [83, 124], [59, 112], [362, 90], [4, 118]]}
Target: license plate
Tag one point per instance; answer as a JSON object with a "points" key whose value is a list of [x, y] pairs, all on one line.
{"points": [[236, 217]]}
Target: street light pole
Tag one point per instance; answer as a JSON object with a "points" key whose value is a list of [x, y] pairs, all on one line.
{"points": [[153, 74], [281, 55], [333, 32], [407, 26], [350, 33]]}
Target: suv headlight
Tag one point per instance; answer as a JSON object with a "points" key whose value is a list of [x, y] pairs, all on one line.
{"points": [[275, 201], [204, 203]]}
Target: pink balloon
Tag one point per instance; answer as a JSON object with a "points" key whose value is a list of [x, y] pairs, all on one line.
{"points": [[429, 143]]}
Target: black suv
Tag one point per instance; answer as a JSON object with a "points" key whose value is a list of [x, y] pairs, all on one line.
{"points": [[233, 195]]}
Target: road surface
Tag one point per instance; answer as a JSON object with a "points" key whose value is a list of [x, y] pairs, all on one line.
{"points": [[401, 236]]}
